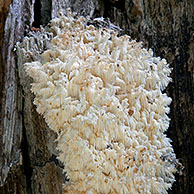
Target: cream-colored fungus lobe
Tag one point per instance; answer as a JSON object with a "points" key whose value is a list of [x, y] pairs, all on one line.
{"points": [[102, 95]]}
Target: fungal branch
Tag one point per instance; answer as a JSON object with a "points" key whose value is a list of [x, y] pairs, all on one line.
{"points": [[102, 95]]}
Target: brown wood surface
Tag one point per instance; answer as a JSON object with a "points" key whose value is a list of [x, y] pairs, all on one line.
{"points": [[28, 163]]}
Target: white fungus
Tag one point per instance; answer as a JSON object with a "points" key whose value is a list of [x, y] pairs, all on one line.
{"points": [[102, 95]]}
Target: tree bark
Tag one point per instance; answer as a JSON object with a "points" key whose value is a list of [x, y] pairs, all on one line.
{"points": [[28, 163]]}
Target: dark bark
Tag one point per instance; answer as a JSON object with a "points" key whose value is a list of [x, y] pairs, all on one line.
{"points": [[28, 161]]}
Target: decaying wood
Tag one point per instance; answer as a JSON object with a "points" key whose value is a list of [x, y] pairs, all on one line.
{"points": [[28, 161]]}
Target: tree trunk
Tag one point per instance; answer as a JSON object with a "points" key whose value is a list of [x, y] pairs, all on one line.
{"points": [[28, 163]]}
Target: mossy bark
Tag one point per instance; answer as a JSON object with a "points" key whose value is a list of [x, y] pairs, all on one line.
{"points": [[28, 161]]}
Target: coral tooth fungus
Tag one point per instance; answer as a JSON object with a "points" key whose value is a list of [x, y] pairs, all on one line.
{"points": [[102, 95]]}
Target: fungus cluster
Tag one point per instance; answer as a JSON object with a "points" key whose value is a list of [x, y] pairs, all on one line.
{"points": [[102, 95]]}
